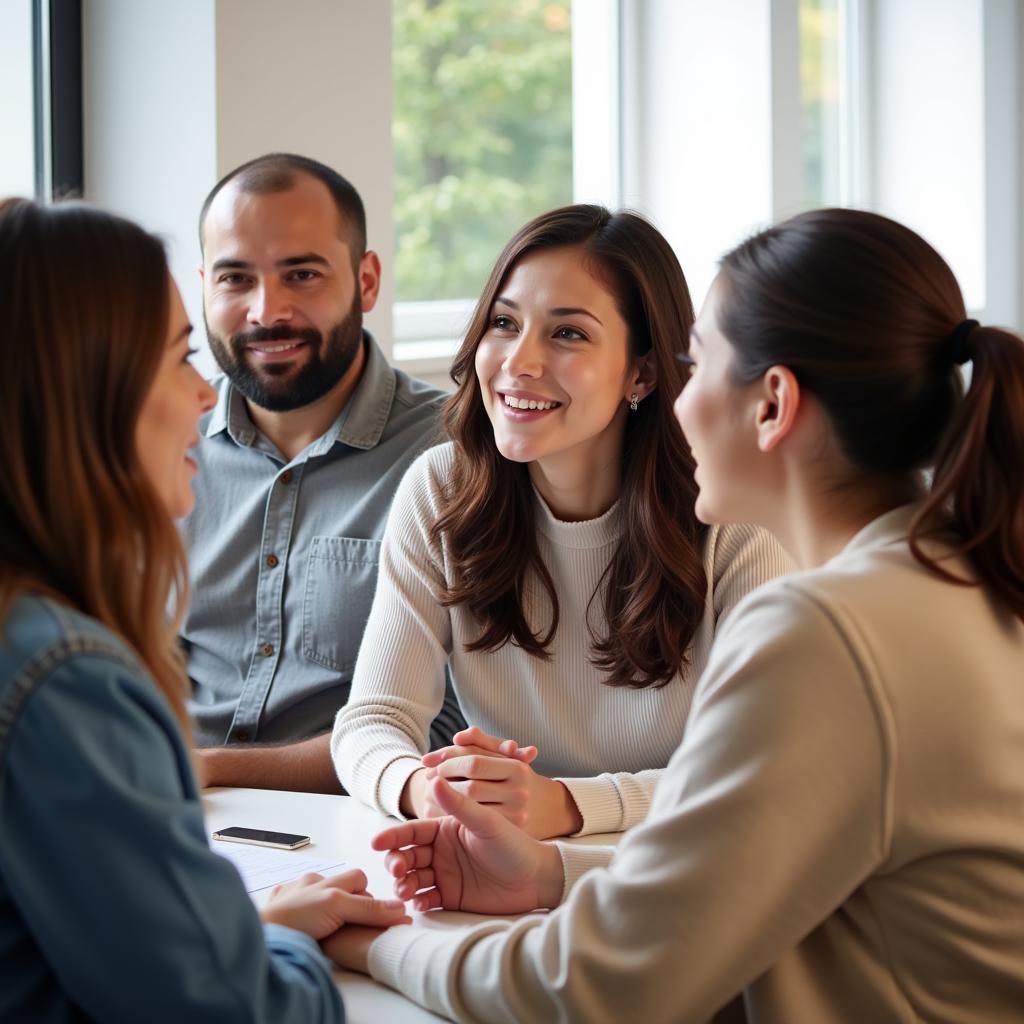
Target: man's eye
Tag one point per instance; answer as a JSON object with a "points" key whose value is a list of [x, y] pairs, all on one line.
{"points": [[304, 275], [232, 280]]}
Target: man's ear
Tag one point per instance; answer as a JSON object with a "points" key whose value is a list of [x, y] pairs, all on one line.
{"points": [[368, 278], [777, 407], [645, 377], [202, 276]]}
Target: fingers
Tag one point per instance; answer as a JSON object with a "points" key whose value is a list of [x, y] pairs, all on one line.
{"points": [[476, 737], [400, 862], [429, 900], [483, 821], [494, 769], [525, 754], [406, 888], [376, 913], [435, 757], [475, 740], [410, 833], [352, 881]]}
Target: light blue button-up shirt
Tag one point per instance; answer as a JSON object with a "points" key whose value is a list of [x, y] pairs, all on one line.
{"points": [[283, 557]]}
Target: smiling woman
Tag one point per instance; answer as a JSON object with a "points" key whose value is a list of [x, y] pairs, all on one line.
{"points": [[550, 556], [98, 408]]}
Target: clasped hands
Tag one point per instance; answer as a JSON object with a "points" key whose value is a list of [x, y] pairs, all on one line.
{"points": [[495, 772]]}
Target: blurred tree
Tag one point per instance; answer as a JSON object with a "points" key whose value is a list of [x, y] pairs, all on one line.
{"points": [[482, 129], [819, 96]]}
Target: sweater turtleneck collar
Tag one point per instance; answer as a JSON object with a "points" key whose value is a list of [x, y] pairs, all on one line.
{"points": [[590, 533]]}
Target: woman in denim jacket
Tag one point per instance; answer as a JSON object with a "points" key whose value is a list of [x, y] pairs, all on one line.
{"points": [[112, 905]]}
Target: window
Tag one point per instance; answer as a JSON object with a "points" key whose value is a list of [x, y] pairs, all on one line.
{"points": [[489, 112], [17, 128], [819, 102], [41, 82]]}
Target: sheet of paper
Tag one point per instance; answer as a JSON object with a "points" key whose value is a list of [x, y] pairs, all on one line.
{"points": [[262, 867]]}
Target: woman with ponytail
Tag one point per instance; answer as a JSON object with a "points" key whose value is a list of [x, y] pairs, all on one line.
{"points": [[840, 835], [549, 557], [113, 907]]}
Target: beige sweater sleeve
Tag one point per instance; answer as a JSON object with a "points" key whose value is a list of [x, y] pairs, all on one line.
{"points": [[398, 684], [773, 810], [737, 559]]}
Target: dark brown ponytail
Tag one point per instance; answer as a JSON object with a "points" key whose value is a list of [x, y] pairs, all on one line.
{"points": [[870, 319], [979, 469]]}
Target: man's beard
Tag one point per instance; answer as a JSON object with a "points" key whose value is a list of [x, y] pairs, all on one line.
{"points": [[277, 387]]}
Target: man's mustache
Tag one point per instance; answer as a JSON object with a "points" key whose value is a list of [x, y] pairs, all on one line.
{"points": [[280, 332]]}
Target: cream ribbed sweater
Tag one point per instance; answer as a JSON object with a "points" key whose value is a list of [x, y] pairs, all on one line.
{"points": [[607, 744], [840, 833]]}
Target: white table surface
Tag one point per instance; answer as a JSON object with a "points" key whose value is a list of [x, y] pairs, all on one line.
{"points": [[339, 827]]}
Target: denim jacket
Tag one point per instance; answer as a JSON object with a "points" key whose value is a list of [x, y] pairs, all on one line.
{"points": [[113, 907]]}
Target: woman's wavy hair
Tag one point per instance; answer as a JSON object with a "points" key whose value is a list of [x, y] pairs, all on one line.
{"points": [[85, 304], [654, 587], [870, 319]]}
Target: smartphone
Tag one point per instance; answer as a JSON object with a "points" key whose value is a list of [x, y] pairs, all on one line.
{"points": [[261, 837]]}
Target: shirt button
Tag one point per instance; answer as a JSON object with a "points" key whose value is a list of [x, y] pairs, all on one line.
{"points": [[272, 561], [267, 650], [242, 735], [286, 477]]}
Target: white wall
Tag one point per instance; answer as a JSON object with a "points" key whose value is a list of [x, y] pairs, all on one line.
{"points": [[928, 146], [313, 78], [149, 121], [178, 92]]}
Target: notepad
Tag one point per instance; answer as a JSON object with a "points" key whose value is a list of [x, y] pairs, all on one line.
{"points": [[261, 867]]}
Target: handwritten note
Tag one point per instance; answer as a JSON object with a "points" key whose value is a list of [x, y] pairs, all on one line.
{"points": [[262, 867]]}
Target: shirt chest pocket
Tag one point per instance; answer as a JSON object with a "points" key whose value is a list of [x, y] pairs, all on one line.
{"points": [[341, 576]]}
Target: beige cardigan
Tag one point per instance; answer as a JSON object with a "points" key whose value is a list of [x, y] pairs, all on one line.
{"points": [[841, 833]]}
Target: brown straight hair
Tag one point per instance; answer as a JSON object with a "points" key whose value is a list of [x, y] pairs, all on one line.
{"points": [[85, 303], [654, 587], [870, 319]]}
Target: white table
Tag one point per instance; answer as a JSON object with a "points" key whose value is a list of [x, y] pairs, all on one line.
{"points": [[339, 827]]}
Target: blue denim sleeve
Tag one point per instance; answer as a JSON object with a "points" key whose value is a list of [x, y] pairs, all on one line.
{"points": [[106, 861]]}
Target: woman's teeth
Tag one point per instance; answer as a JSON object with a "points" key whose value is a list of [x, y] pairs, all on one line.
{"points": [[528, 403]]}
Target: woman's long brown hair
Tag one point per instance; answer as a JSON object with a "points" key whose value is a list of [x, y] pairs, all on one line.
{"points": [[85, 304], [655, 586], [870, 319]]}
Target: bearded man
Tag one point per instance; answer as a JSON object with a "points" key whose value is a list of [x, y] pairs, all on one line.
{"points": [[298, 463]]}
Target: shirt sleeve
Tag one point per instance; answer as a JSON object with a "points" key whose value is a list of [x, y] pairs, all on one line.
{"points": [[744, 558], [773, 810], [106, 860], [398, 686], [613, 801]]}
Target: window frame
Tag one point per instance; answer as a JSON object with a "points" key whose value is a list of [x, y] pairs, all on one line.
{"points": [[57, 98], [426, 335]]}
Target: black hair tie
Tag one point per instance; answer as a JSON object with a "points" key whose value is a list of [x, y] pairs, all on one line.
{"points": [[958, 349]]}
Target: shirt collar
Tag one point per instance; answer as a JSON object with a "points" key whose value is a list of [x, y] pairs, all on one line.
{"points": [[360, 424], [892, 527]]}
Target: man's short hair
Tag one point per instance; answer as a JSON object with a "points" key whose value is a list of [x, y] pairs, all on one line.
{"points": [[275, 172]]}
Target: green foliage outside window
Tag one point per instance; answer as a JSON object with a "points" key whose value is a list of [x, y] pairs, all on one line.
{"points": [[482, 130]]}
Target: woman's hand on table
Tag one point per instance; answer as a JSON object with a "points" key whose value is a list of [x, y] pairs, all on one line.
{"points": [[473, 859], [497, 772], [319, 906]]}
